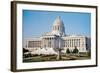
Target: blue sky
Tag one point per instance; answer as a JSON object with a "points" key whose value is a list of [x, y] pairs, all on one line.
{"points": [[35, 23]]}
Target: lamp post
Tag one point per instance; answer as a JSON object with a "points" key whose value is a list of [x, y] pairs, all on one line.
{"points": [[59, 49]]}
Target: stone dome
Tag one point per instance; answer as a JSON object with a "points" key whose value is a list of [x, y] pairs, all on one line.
{"points": [[58, 27], [58, 22]]}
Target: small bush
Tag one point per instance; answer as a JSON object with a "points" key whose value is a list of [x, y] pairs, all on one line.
{"points": [[68, 51], [75, 50]]}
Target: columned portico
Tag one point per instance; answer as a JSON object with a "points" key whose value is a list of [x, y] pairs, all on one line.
{"points": [[48, 41]]}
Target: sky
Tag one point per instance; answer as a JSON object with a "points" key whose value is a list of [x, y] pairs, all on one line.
{"points": [[35, 23]]}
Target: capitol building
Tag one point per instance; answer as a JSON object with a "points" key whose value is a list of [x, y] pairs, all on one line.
{"points": [[49, 42]]}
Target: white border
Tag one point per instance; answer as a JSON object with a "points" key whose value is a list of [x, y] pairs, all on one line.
{"points": [[21, 65]]}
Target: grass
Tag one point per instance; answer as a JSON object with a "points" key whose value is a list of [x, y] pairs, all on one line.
{"points": [[64, 57]]}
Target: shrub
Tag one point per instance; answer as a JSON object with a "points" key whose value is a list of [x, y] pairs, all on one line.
{"points": [[68, 51], [75, 50]]}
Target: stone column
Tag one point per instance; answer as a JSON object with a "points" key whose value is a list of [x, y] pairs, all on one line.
{"points": [[43, 41], [52, 43]]}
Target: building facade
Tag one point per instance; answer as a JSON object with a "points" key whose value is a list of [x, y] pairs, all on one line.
{"points": [[57, 39]]}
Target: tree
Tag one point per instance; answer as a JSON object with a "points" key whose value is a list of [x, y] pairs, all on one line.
{"points": [[25, 50], [68, 51], [75, 50]]}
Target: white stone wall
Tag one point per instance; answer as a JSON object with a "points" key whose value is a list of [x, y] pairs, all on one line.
{"points": [[78, 41], [68, 42]]}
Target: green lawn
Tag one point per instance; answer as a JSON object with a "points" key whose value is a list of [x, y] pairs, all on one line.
{"points": [[64, 57]]}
